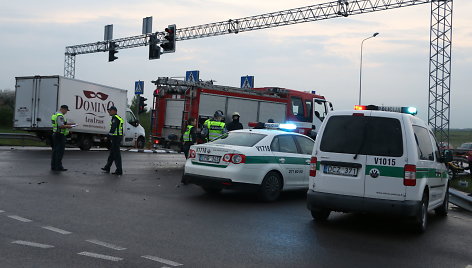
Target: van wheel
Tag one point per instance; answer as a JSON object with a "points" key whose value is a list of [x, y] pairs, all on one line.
{"points": [[141, 143], [422, 214], [270, 187], [320, 215], [85, 143], [444, 208], [212, 190]]}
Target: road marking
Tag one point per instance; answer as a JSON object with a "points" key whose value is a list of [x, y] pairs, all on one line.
{"points": [[105, 244], [469, 266], [31, 244], [57, 230], [161, 260], [18, 218], [1, 211], [100, 256]]}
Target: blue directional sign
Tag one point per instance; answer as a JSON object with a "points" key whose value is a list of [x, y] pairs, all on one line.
{"points": [[192, 76], [138, 87], [247, 81]]}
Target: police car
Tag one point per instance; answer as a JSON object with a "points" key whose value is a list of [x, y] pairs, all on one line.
{"points": [[377, 159], [264, 160]]}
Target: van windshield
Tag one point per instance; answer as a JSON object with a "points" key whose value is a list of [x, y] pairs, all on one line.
{"points": [[239, 139], [364, 135]]}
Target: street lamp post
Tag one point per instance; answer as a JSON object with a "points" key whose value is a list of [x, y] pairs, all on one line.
{"points": [[360, 69]]}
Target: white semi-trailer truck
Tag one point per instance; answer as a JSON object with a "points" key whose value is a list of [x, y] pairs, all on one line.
{"points": [[38, 97]]}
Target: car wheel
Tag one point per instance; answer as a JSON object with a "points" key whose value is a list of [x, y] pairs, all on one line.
{"points": [[422, 214], [141, 143], [320, 215], [212, 189], [271, 187], [444, 208]]}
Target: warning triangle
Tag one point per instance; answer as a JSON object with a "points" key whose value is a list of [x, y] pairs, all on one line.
{"points": [[191, 78], [246, 83]]}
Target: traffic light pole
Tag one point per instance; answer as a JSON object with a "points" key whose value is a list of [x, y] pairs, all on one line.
{"points": [[138, 98]]}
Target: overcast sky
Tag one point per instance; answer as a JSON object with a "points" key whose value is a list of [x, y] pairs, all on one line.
{"points": [[322, 56]]}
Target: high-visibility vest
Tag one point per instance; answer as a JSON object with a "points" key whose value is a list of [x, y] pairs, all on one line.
{"points": [[187, 136], [119, 129], [55, 126], [215, 129]]}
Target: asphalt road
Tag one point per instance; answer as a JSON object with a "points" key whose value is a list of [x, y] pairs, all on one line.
{"points": [[83, 218]]}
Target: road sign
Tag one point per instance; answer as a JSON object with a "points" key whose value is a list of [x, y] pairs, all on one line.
{"points": [[247, 81], [192, 76], [138, 87]]}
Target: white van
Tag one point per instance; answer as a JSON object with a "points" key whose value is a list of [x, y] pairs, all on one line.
{"points": [[374, 160]]}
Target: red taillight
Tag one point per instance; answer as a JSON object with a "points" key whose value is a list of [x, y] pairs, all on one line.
{"points": [[313, 163], [234, 158], [192, 154], [156, 141], [409, 178]]}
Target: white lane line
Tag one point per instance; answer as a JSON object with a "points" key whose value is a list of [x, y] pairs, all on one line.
{"points": [[31, 244], [469, 266], [100, 256], [161, 260], [105, 244], [18, 218], [57, 230], [1, 211]]}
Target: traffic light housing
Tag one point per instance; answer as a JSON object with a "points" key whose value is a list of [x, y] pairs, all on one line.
{"points": [[112, 51], [142, 105], [154, 48], [169, 45]]}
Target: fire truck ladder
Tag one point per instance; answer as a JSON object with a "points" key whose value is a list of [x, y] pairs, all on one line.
{"points": [[440, 41]]}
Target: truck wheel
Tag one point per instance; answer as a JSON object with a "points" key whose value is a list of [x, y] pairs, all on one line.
{"points": [[422, 214], [85, 143], [444, 208], [141, 143], [320, 215], [270, 187]]}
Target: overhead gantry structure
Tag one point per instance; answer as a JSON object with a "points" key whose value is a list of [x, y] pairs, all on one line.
{"points": [[440, 42]]}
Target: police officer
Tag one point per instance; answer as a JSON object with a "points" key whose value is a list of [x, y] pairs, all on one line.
{"points": [[60, 129], [214, 127], [190, 136], [115, 135], [235, 124]]}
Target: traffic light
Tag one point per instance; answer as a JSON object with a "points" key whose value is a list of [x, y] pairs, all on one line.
{"points": [[142, 105], [154, 48], [112, 51], [169, 45]]}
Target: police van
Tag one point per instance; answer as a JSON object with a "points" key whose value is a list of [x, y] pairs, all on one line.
{"points": [[377, 159]]}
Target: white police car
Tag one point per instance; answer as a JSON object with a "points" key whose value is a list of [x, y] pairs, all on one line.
{"points": [[375, 160], [267, 161]]}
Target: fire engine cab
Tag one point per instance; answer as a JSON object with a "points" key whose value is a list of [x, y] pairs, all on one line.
{"points": [[176, 100]]}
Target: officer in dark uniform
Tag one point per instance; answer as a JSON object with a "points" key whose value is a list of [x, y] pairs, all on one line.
{"points": [[115, 135], [60, 129]]}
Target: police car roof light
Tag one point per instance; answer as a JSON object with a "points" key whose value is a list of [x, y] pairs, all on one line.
{"points": [[397, 109], [285, 126]]}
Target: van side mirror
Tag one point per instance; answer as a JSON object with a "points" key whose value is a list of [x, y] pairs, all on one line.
{"points": [[446, 157]]}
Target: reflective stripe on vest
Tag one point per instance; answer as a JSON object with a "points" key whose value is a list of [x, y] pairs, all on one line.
{"points": [[215, 129], [119, 129], [187, 136], [55, 127]]}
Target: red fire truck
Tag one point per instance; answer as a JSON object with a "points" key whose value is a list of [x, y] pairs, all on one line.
{"points": [[176, 100]]}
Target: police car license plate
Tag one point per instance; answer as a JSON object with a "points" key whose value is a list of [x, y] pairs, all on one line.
{"points": [[209, 158], [343, 171]]}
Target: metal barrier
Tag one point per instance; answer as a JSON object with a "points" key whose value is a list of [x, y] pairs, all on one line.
{"points": [[20, 136], [460, 199]]}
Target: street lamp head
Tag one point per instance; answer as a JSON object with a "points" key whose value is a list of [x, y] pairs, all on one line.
{"points": [[375, 34]]}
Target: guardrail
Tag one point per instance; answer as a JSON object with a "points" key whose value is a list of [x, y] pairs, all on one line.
{"points": [[460, 199], [20, 136]]}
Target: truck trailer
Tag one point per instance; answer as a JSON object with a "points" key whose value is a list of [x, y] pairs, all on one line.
{"points": [[37, 98], [176, 100]]}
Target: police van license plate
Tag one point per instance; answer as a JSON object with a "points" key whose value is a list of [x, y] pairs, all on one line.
{"points": [[343, 171], [209, 158]]}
